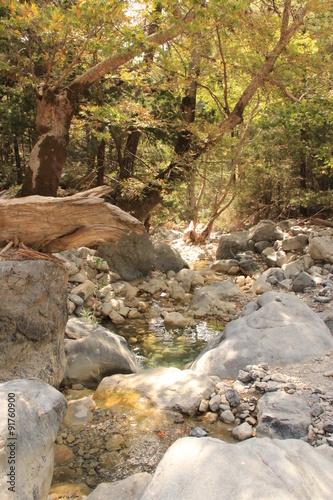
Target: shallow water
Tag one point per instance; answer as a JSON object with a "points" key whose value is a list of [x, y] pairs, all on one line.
{"points": [[154, 345]]}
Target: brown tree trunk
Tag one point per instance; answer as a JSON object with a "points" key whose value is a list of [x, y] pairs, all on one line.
{"points": [[100, 163], [47, 158], [128, 158]]}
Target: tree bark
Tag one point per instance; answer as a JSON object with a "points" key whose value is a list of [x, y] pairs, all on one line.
{"points": [[83, 219], [47, 158], [128, 157]]}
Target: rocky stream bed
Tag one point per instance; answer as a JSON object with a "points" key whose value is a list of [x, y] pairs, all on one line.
{"points": [[230, 340]]}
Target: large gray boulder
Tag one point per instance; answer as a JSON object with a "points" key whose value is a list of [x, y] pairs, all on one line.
{"points": [[95, 353], [131, 257], [264, 469], [33, 316], [232, 244], [263, 231], [169, 388], [130, 488], [283, 330], [283, 416], [167, 258], [26, 448]]}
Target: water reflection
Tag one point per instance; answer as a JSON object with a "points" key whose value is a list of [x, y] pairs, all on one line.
{"points": [[155, 345]]}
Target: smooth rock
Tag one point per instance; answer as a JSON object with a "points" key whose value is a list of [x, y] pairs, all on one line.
{"points": [[39, 410], [261, 469], [242, 431], [79, 413], [263, 231], [283, 330], [167, 258], [98, 354], [175, 320], [131, 488], [171, 388], [321, 248], [301, 281]]}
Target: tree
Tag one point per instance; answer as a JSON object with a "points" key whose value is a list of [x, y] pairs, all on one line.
{"points": [[55, 39]]}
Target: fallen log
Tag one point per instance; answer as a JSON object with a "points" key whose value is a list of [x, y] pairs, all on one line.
{"points": [[53, 224]]}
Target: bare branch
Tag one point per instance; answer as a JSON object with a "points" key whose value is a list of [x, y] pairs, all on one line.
{"points": [[286, 91]]}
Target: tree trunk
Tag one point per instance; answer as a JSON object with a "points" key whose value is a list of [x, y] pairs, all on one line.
{"points": [[47, 158], [100, 163], [17, 161], [128, 157]]}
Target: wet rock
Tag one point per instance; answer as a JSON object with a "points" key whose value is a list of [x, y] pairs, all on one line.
{"points": [[198, 432], [227, 417], [170, 388], [175, 320], [79, 413]]}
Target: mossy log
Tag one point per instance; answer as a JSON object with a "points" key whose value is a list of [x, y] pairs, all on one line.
{"points": [[53, 224]]}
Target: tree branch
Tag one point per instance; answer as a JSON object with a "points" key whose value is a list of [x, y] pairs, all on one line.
{"points": [[93, 74]]}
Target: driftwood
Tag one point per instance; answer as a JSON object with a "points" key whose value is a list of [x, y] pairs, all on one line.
{"points": [[53, 224], [321, 222]]}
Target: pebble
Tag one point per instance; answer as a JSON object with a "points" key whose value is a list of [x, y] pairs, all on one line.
{"points": [[198, 432]]}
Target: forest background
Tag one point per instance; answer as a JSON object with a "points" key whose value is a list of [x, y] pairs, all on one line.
{"points": [[190, 110]]}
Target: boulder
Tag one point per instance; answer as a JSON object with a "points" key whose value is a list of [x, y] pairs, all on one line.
{"points": [[297, 243], [130, 488], [283, 416], [301, 281], [131, 257], [264, 469], [232, 244], [175, 320], [95, 354], [224, 265], [39, 410], [321, 248], [167, 258], [283, 330], [170, 388], [263, 231], [33, 312], [79, 413], [211, 295]]}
